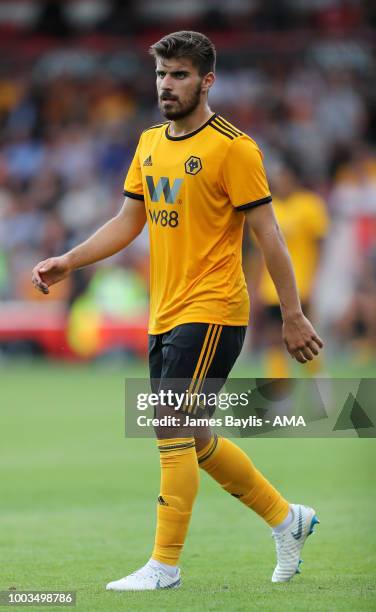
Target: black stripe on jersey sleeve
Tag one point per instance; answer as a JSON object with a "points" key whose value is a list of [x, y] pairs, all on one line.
{"points": [[255, 203], [225, 129], [158, 125], [239, 132], [215, 127], [225, 126], [135, 196]]}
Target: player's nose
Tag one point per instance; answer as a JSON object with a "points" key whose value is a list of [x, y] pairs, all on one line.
{"points": [[166, 83]]}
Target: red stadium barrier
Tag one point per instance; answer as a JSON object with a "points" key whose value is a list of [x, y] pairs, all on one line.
{"points": [[47, 326]]}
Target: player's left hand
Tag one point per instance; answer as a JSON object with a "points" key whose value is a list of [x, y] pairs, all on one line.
{"points": [[300, 338]]}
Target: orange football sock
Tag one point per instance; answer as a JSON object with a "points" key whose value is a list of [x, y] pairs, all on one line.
{"points": [[179, 486], [235, 472]]}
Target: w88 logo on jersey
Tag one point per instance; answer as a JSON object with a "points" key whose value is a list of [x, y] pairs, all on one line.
{"points": [[164, 218]]}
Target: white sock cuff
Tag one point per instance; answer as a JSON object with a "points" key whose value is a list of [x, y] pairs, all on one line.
{"points": [[285, 523], [171, 570]]}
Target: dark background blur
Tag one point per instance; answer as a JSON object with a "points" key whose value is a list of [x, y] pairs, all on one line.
{"points": [[77, 88]]}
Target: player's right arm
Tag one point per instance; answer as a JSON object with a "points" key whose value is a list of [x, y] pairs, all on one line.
{"points": [[109, 239]]}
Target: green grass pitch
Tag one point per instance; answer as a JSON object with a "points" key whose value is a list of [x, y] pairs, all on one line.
{"points": [[78, 502]]}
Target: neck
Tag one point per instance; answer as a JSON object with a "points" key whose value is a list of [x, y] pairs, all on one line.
{"points": [[192, 122]]}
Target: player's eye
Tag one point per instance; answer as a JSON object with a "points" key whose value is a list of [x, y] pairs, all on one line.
{"points": [[160, 74], [180, 75]]}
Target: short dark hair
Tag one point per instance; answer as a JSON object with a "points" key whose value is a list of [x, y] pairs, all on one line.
{"points": [[193, 45]]}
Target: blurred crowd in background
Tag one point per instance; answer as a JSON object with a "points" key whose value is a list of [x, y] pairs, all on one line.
{"points": [[77, 88]]}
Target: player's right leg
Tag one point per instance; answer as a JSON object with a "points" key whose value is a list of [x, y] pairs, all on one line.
{"points": [[178, 490], [174, 355]]}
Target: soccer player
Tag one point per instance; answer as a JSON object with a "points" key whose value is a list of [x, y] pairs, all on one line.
{"points": [[193, 179], [301, 215]]}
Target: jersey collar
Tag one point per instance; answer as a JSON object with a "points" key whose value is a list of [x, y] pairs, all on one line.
{"points": [[190, 133]]}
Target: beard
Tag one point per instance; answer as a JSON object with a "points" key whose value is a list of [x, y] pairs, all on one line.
{"points": [[182, 109]]}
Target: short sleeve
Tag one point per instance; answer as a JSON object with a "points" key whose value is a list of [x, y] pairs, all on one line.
{"points": [[243, 175], [133, 182]]}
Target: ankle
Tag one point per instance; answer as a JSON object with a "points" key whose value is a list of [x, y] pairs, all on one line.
{"points": [[171, 570], [285, 523]]}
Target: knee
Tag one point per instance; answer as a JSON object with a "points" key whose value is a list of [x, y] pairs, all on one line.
{"points": [[170, 423], [202, 443]]}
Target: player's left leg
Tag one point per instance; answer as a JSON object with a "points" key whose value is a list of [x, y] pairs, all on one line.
{"points": [[229, 465], [235, 472], [291, 523]]}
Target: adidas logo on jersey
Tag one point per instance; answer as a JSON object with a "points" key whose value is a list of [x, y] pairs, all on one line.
{"points": [[148, 161]]}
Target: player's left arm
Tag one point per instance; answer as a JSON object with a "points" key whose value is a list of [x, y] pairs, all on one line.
{"points": [[299, 336]]}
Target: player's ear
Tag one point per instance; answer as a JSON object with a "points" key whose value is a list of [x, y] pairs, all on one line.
{"points": [[208, 81]]}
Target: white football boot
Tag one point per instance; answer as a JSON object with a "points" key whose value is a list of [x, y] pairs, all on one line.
{"points": [[290, 542], [146, 579]]}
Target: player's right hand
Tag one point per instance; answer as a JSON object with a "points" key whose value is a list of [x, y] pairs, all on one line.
{"points": [[49, 272]]}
